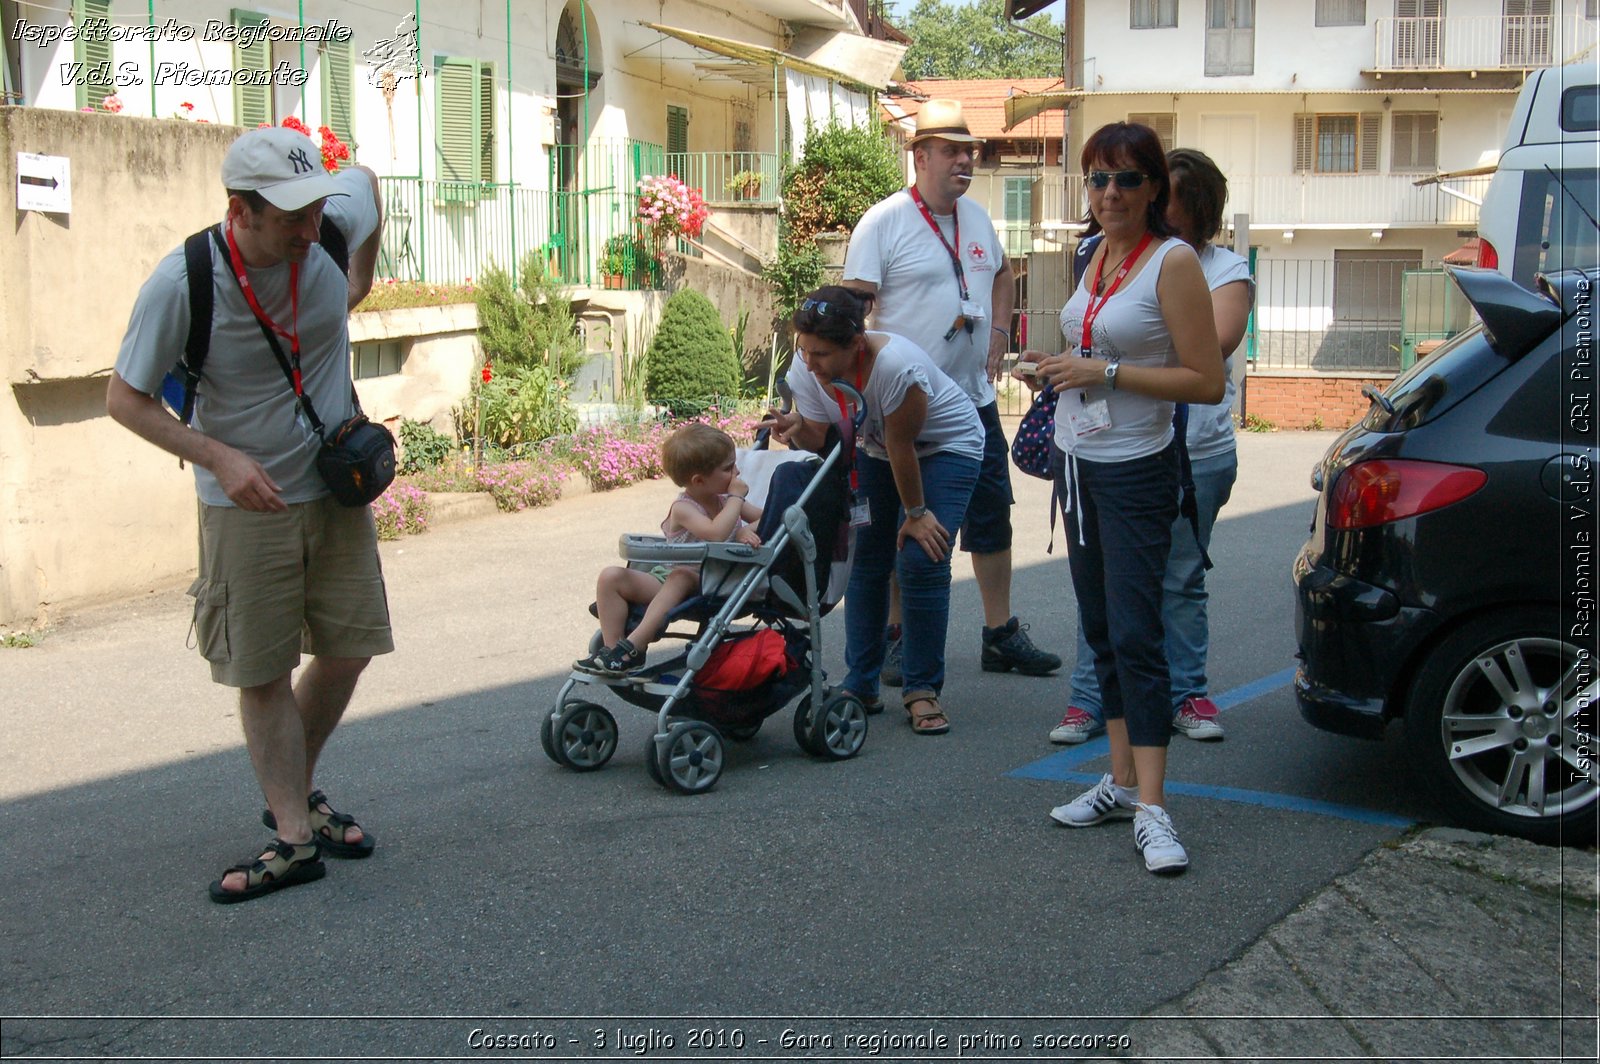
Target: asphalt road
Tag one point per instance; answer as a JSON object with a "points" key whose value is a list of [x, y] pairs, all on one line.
{"points": [[916, 892]]}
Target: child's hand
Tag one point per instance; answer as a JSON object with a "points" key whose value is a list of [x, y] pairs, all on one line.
{"points": [[738, 487], [747, 536]]}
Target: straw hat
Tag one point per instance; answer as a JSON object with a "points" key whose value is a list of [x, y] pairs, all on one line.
{"points": [[942, 119]]}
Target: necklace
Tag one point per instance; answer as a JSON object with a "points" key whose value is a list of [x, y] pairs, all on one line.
{"points": [[1099, 276]]}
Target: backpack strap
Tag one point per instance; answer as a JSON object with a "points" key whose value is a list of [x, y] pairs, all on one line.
{"points": [[197, 266], [333, 242]]}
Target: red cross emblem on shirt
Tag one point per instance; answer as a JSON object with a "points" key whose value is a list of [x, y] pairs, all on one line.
{"points": [[975, 252]]}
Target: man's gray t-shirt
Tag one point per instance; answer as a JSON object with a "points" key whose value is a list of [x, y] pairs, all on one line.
{"points": [[244, 399]]}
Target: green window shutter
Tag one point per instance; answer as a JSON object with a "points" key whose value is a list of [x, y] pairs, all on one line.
{"points": [[252, 104], [96, 84], [457, 132], [486, 128], [338, 80], [677, 130], [1019, 200]]}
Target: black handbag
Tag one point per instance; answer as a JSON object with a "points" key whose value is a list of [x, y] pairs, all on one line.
{"points": [[356, 460]]}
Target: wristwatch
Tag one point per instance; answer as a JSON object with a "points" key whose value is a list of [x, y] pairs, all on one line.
{"points": [[1111, 375], [914, 512]]}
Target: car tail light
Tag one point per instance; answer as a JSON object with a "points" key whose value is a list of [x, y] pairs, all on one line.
{"points": [[1380, 491], [1488, 257]]}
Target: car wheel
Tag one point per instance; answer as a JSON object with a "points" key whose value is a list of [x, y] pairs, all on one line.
{"points": [[1494, 720]]}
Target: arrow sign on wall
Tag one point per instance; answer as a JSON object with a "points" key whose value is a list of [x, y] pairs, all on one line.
{"points": [[44, 183]]}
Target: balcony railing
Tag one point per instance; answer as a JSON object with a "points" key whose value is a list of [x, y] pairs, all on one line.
{"points": [[1290, 200], [445, 232], [1514, 42]]}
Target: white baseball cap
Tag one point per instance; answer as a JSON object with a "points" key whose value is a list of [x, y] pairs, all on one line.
{"points": [[284, 165]]}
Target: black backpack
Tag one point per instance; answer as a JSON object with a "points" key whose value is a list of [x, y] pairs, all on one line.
{"points": [[179, 387]]}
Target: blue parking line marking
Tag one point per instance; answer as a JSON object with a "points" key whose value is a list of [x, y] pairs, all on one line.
{"points": [[1287, 802], [1062, 766]]}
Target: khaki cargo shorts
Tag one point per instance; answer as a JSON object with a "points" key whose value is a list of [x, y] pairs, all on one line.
{"points": [[275, 585]]}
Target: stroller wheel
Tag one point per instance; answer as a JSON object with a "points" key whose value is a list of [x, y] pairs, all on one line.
{"points": [[690, 761], [547, 737], [841, 728], [802, 727], [585, 736]]}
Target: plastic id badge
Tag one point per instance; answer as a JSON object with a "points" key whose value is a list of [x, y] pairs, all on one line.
{"points": [[1090, 418], [973, 312], [860, 514]]}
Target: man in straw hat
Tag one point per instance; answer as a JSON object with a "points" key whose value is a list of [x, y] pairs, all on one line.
{"points": [[942, 280], [283, 567]]}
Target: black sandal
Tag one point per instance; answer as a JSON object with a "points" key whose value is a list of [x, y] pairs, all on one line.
{"points": [[281, 864], [330, 828]]}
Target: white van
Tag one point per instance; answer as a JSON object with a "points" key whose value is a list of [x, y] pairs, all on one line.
{"points": [[1539, 214]]}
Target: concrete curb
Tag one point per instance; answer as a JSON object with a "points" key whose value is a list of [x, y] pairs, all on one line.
{"points": [[1448, 944]]}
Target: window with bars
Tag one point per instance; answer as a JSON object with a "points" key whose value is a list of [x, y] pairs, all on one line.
{"points": [[97, 81], [338, 103], [1230, 37], [1341, 12], [252, 104], [1164, 123], [1153, 14], [1337, 143], [1414, 139], [465, 127]]}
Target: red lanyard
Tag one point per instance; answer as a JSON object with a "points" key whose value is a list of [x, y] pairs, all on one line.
{"points": [[954, 252], [855, 477], [1094, 309], [255, 308]]}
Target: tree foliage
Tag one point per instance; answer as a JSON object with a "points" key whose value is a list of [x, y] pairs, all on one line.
{"points": [[527, 324], [948, 41], [691, 363], [842, 171]]}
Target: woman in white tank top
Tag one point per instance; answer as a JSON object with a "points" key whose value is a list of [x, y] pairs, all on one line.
{"points": [[1140, 336]]}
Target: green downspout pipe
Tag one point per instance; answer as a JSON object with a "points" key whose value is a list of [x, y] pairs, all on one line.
{"points": [[422, 215], [583, 12], [511, 155]]}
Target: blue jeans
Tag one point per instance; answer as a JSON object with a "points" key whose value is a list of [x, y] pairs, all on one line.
{"points": [[947, 483], [1125, 511], [1184, 596]]}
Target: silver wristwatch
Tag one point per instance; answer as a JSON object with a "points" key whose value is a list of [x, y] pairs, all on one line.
{"points": [[1111, 375], [914, 512]]}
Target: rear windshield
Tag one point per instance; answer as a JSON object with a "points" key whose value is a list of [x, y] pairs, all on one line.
{"points": [[1580, 109], [1555, 224], [1437, 383]]}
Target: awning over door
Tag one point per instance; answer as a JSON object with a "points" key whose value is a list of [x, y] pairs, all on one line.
{"points": [[847, 58]]}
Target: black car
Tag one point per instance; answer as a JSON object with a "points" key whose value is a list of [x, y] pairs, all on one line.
{"points": [[1449, 581]]}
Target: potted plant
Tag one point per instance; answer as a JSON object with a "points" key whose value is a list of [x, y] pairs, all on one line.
{"points": [[616, 257], [745, 185]]}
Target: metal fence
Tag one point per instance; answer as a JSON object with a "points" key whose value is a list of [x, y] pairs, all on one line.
{"points": [[447, 232]]}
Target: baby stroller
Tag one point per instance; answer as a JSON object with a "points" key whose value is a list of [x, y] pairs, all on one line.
{"points": [[730, 678]]}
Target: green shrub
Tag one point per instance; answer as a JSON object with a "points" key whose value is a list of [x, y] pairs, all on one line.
{"points": [[522, 405], [842, 171], [690, 363], [798, 271], [422, 446], [528, 323]]}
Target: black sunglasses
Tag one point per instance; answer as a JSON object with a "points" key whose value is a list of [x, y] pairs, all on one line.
{"points": [[1125, 179], [821, 306]]}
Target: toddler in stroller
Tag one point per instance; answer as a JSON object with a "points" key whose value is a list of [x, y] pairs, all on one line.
{"points": [[714, 507], [729, 679]]}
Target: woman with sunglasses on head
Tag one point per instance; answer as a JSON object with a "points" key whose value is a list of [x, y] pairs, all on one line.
{"points": [[917, 461], [1140, 337]]}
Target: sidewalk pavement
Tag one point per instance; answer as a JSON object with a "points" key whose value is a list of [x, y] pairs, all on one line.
{"points": [[1445, 944]]}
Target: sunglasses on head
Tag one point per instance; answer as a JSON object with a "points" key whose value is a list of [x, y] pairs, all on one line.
{"points": [[1125, 179], [818, 305]]}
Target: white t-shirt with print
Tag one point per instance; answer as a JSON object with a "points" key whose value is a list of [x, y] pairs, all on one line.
{"points": [[918, 294], [952, 423]]}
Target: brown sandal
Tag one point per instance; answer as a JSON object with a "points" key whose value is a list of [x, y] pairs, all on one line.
{"points": [[920, 721], [281, 864], [331, 829]]}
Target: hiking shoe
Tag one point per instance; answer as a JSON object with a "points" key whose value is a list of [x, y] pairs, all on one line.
{"points": [[1008, 647], [891, 675], [1104, 801], [1197, 718], [1076, 727], [1155, 838]]}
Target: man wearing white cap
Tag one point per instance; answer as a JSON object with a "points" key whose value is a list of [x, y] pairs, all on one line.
{"points": [[943, 281], [283, 567]]}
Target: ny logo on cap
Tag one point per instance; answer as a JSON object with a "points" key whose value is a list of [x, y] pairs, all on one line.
{"points": [[302, 162]]}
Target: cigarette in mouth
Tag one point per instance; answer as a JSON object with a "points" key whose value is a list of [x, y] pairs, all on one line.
{"points": [[963, 177]]}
